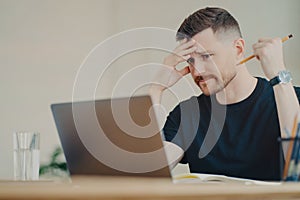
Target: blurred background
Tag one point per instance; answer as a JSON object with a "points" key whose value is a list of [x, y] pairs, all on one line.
{"points": [[44, 42]]}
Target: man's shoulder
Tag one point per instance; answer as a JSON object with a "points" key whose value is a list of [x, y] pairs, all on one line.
{"points": [[193, 100], [190, 104], [264, 82]]}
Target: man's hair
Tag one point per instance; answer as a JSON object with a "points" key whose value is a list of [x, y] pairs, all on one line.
{"points": [[220, 20]]}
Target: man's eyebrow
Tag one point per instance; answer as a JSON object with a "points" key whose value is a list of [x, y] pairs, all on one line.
{"points": [[204, 52]]}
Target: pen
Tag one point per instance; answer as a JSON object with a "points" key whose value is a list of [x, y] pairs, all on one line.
{"points": [[297, 170], [293, 171], [290, 148], [252, 56]]}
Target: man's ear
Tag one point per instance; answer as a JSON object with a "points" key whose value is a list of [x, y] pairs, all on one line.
{"points": [[239, 45]]}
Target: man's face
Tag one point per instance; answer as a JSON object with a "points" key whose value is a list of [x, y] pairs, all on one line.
{"points": [[212, 65]]}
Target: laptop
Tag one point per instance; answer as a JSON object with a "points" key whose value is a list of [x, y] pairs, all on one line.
{"points": [[118, 136]]}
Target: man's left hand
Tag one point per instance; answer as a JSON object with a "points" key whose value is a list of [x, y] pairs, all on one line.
{"points": [[269, 52]]}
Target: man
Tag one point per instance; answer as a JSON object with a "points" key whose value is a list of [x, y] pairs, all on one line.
{"points": [[232, 128]]}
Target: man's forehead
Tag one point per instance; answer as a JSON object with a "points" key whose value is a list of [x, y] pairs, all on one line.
{"points": [[205, 40], [206, 33]]}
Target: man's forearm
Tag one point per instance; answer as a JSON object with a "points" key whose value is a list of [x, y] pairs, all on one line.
{"points": [[287, 106]]}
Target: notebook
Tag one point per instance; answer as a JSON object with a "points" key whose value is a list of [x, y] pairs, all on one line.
{"points": [[118, 136]]}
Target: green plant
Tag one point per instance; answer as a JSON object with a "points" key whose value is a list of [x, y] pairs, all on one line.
{"points": [[54, 165]]}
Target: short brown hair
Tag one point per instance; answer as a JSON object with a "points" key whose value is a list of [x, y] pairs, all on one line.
{"points": [[220, 20]]}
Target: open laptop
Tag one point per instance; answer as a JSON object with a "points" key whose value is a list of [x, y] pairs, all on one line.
{"points": [[111, 137]]}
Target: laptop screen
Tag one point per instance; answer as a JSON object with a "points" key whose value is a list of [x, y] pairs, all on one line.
{"points": [[111, 137]]}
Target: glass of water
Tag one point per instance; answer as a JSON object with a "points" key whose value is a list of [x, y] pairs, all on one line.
{"points": [[26, 155]]}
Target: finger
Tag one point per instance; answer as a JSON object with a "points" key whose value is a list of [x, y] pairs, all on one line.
{"points": [[185, 58], [264, 39], [184, 71], [183, 41], [186, 45], [258, 45], [187, 51], [257, 53], [181, 59]]}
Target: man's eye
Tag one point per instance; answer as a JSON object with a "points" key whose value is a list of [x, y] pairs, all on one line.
{"points": [[206, 56], [190, 60]]}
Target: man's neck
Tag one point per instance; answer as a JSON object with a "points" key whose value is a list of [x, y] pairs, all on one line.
{"points": [[239, 88]]}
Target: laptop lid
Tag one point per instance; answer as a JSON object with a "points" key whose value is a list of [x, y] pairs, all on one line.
{"points": [[111, 137]]}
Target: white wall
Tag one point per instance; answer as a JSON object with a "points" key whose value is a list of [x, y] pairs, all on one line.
{"points": [[44, 42]]}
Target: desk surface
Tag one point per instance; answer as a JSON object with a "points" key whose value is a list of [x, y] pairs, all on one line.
{"points": [[142, 188]]}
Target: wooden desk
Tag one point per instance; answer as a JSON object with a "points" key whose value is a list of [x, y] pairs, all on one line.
{"points": [[142, 188]]}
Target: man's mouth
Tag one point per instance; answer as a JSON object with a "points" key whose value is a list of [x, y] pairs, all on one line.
{"points": [[203, 79]]}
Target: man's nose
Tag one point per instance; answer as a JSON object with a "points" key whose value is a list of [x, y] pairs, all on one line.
{"points": [[198, 69]]}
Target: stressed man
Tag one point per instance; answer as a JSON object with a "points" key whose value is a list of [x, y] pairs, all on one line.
{"points": [[233, 126]]}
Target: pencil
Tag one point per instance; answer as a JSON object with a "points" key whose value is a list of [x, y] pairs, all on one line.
{"points": [[252, 56]]}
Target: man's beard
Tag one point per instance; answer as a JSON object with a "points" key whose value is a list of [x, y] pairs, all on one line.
{"points": [[211, 89]]}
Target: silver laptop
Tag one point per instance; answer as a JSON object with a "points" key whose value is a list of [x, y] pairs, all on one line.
{"points": [[111, 137]]}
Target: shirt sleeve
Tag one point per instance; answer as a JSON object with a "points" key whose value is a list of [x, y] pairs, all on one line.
{"points": [[297, 90], [172, 124]]}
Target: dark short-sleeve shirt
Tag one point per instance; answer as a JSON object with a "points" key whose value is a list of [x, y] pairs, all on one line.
{"points": [[239, 139]]}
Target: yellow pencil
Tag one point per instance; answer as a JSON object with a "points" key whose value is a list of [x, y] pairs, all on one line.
{"points": [[252, 56]]}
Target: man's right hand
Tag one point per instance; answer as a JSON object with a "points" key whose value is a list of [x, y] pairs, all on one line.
{"points": [[169, 75]]}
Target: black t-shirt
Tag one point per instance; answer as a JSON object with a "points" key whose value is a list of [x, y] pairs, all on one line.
{"points": [[236, 140]]}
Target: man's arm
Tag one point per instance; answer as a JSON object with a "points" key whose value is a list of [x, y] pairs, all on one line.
{"points": [[174, 153], [287, 106], [269, 52], [167, 77]]}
